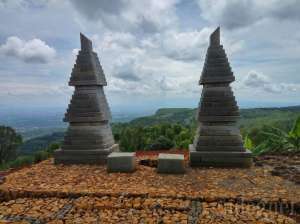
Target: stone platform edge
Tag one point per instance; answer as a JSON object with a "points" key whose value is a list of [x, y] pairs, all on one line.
{"points": [[220, 158], [69, 157]]}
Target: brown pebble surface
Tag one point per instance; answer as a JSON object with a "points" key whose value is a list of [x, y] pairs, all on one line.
{"points": [[141, 197]]}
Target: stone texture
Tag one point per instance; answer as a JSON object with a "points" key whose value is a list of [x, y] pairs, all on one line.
{"points": [[123, 162], [88, 138], [218, 141], [170, 163]]}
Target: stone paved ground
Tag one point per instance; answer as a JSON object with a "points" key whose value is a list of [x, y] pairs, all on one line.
{"points": [[286, 166], [88, 194]]}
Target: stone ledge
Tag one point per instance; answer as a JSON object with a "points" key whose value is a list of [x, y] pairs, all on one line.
{"points": [[69, 157], [220, 159]]}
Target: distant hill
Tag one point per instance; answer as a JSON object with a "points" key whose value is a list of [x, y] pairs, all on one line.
{"points": [[167, 115], [282, 117], [41, 142], [187, 115]]}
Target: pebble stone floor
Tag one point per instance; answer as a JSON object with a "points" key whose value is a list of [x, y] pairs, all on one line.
{"points": [[47, 193]]}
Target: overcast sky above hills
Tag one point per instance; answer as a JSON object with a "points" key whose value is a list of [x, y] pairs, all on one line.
{"points": [[151, 51]]}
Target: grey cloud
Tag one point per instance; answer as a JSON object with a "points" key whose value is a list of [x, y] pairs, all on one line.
{"points": [[165, 85], [127, 75], [258, 81], [238, 14], [126, 71], [148, 26], [254, 79], [288, 9], [32, 51], [234, 14], [95, 9], [146, 16]]}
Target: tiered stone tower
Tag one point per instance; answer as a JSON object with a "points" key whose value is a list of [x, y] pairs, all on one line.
{"points": [[89, 137], [218, 141]]}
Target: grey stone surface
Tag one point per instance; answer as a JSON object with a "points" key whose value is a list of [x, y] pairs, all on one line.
{"points": [[170, 163], [88, 138], [121, 162], [242, 159], [218, 141], [98, 157]]}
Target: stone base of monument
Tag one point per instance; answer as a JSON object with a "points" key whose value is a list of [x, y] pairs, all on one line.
{"points": [[220, 159], [123, 162], [69, 157], [170, 163]]}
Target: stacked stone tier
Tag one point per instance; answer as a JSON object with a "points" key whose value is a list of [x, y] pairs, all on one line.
{"points": [[88, 137], [217, 104], [87, 70], [88, 104], [218, 137], [216, 67]]}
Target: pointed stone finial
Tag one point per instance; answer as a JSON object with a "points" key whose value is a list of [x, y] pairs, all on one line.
{"points": [[86, 44], [215, 38]]}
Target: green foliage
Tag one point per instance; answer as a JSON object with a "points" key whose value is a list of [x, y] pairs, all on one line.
{"points": [[40, 143], [293, 136], [40, 156], [160, 143], [260, 149], [182, 116], [31, 159], [248, 144], [161, 136], [278, 140], [52, 147], [179, 125], [9, 144], [4, 166], [21, 161]]}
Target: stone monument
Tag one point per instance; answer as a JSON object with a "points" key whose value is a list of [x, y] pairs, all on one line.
{"points": [[218, 141], [88, 138]]}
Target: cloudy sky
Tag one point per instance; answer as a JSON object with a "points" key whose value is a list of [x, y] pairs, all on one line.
{"points": [[151, 51]]}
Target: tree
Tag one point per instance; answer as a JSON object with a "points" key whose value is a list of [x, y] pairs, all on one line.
{"points": [[161, 143], [9, 144]]}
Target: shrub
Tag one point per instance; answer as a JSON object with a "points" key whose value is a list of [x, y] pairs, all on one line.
{"points": [[21, 161], [9, 144], [4, 166], [277, 140], [51, 148], [161, 143], [40, 156]]}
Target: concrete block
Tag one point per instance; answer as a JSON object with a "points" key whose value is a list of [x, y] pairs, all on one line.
{"points": [[170, 163], [121, 162]]}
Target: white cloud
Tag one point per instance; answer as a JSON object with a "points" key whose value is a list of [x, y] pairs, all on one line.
{"points": [[154, 49], [185, 45], [32, 51], [168, 63], [260, 82], [254, 79]]}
